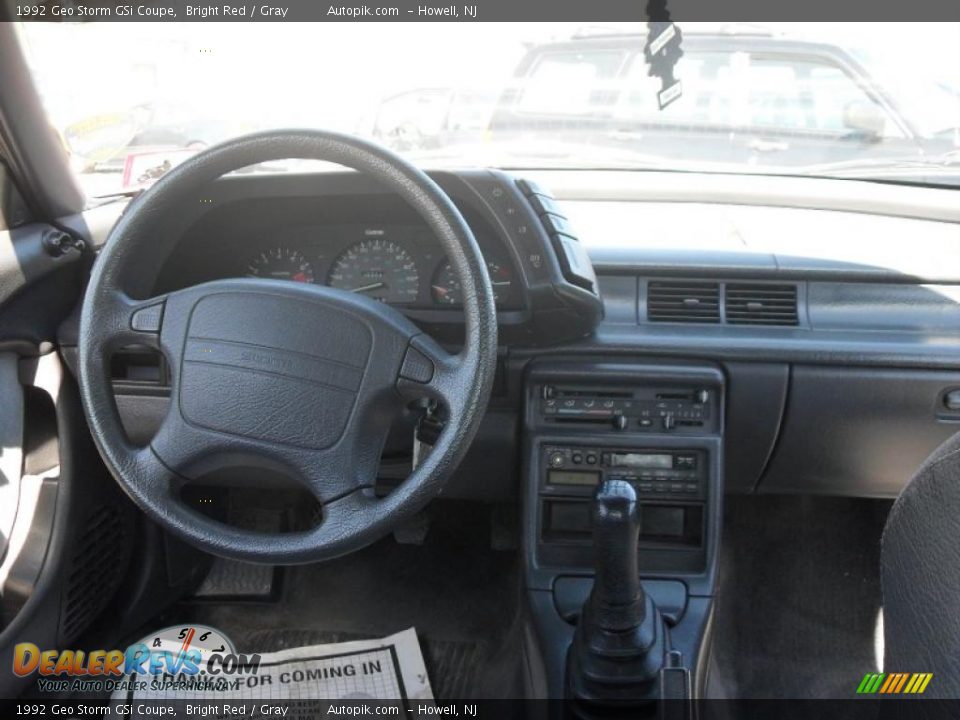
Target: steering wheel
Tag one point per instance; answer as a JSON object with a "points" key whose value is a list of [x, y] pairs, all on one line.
{"points": [[285, 376]]}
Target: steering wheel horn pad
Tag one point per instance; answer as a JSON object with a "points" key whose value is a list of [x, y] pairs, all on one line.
{"points": [[251, 356], [299, 378]]}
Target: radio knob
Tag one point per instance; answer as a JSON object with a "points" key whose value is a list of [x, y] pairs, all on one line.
{"points": [[703, 396], [619, 422], [556, 459], [669, 422]]}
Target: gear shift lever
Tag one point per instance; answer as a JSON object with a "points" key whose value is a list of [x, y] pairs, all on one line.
{"points": [[617, 600], [620, 642]]}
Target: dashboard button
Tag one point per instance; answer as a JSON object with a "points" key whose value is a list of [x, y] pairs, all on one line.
{"points": [[577, 458], [543, 204], [147, 319], [557, 225], [416, 366], [591, 459], [686, 461], [529, 187]]}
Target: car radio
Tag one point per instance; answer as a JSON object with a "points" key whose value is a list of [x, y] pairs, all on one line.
{"points": [[655, 474]]}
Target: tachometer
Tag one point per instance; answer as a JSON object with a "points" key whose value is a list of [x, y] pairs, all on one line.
{"points": [[281, 264], [446, 288], [379, 268]]}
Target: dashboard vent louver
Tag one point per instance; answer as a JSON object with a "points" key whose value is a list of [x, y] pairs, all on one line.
{"points": [[683, 301], [761, 304]]}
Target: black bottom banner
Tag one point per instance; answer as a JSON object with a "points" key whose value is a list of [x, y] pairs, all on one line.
{"points": [[865, 709]]}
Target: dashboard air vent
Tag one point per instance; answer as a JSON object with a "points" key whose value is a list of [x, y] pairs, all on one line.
{"points": [[761, 304], [683, 301]]}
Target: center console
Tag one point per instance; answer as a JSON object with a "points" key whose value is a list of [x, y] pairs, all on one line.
{"points": [[658, 428]]}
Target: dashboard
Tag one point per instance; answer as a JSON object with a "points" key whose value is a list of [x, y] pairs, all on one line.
{"points": [[845, 391]]}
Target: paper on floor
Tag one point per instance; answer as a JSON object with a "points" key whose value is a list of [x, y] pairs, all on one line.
{"points": [[389, 668]]}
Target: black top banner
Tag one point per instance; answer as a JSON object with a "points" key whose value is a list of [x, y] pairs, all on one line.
{"points": [[594, 11]]}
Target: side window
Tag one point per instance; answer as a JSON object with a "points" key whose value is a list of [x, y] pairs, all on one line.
{"points": [[571, 83], [796, 94], [778, 93], [834, 94]]}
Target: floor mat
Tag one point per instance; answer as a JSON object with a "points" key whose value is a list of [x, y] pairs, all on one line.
{"points": [[461, 596], [799, 596]]}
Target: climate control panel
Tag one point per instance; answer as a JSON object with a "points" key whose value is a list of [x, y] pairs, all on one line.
{"points": [[650, 409]]}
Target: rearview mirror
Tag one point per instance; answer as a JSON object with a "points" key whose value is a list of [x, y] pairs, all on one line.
{"points": [[865, 118]]}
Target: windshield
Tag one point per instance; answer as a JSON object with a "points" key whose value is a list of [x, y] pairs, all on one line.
{"points": [[851, 100]]}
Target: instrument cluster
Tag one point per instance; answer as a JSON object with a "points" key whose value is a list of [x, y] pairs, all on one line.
{"points": [[397, 264]]}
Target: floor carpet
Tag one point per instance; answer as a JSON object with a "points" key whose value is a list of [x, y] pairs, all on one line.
{"points": [[799, 596], [462, 597]]}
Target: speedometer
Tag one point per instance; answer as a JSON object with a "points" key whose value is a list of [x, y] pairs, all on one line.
{"points": [[378, 268]]}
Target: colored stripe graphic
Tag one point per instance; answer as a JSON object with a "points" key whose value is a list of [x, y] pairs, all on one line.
{"points": [[891, 680], [921, 682], [870, 683], [894, 683]]}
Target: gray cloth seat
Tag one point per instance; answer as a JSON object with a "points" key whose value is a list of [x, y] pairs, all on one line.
{"points": [[920, 574]]}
